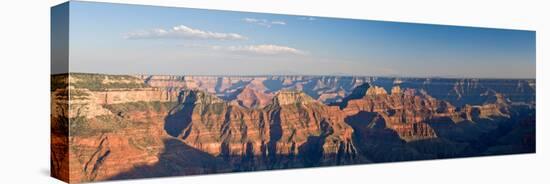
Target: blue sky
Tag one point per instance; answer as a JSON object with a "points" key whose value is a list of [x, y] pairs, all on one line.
{"points": [[130, 39]]}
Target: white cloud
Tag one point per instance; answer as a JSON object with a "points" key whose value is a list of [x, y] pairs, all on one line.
{"points": [[252, 20], [263, 22], [266, 49], [308, 18], [278, 22], [183, 31]]}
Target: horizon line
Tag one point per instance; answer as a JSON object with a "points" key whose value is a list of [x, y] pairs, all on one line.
{"points": [[305, 75]]}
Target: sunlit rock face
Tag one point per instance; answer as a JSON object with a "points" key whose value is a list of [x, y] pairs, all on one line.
{"points": [[122, 126], [271, 136]]}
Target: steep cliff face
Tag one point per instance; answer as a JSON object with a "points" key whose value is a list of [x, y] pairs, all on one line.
{"points": [[275, 136], [143, 126], [128, 134], [408, 112], [409, 124], [309, 128], [113, 123], [59, 127], [404, 112]]}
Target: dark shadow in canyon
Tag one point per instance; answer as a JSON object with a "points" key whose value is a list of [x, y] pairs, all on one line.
{"points": [[489, 136], [177, 159], [357, 93], [180, 116], [276, 132], [483, 137], [273, 85], [376, 142], [312, 151]]}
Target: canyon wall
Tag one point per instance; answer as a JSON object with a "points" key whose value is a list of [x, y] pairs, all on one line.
{"points": [[121, 126]]}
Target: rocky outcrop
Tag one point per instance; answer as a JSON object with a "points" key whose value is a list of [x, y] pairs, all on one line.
{"points": [[108, 132], [304, 123], [253, 95], [404, 112], [376, 91], [59, 127], [408, 111], [274, 136], [105, 145]]}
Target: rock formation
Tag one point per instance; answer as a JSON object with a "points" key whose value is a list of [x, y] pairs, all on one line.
{"points": [[119, 126], [273, 136]]}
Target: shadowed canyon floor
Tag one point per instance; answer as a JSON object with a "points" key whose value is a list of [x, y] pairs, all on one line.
{"points": [[122, 126]]}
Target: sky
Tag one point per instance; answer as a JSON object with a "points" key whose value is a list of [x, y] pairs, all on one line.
{"points": [[134, 39]]}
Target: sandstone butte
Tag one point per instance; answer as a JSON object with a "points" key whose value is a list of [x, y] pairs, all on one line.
{"points": [[120, 127]]}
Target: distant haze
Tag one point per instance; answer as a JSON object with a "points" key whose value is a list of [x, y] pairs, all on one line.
{"points": [[130, 39]]}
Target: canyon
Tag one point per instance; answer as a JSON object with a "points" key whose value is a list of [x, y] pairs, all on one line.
{"points": [[136, 126]]}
